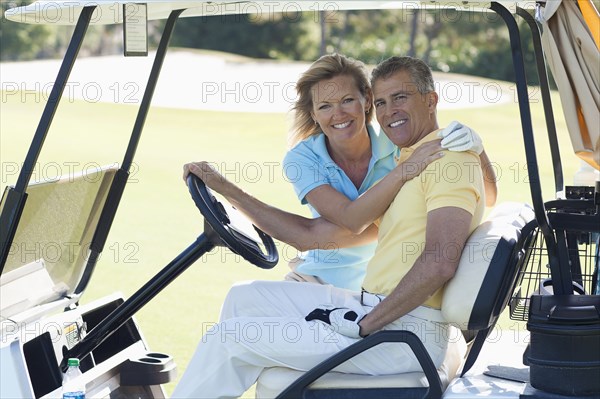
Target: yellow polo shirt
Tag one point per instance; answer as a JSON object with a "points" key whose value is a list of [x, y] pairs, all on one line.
{"points": [[455, 180]]}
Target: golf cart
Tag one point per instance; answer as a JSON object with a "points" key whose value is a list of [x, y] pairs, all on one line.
{"points": [[564, 324]]}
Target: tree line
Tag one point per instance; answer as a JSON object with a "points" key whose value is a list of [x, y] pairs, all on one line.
{"points": [[449, 41]]}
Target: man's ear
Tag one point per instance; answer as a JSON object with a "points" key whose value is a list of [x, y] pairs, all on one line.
{"points": [[432, 101]]}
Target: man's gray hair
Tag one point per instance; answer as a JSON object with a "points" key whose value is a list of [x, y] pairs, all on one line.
{"points": [[419, 71]]}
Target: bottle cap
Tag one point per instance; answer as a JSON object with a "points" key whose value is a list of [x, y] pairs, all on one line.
{"points": [[73, 362]]}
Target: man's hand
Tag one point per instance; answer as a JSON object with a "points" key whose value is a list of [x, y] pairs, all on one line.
{"points": [[458, 137], [343, 320]]}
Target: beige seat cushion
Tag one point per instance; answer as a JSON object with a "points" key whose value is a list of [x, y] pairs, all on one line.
{"points": [[274, 380], [463, 289]]}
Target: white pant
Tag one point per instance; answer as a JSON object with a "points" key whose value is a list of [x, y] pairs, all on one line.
{"points": [[262, 325]]}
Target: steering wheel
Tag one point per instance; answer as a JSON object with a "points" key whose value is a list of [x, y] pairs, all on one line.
{"points": [[231, 227]]}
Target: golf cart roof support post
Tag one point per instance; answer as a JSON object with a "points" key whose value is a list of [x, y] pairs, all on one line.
{"points": [[149, 92], [546, 100], [139, 299], [561, 281], [118, 185], [54, 98], [11, 213], [92, 258]]}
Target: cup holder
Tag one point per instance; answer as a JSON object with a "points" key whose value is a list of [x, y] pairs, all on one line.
{"points": [[149, 360], [546, 288], [158, 355], [148, 369]]}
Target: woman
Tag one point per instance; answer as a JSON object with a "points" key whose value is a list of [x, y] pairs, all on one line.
{"points": [[338, 156]]}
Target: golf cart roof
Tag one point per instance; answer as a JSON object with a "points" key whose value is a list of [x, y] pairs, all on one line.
{"points": [[66, 12]]}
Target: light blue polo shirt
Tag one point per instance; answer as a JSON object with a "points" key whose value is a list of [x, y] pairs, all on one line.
{"points": [[308, 165]]}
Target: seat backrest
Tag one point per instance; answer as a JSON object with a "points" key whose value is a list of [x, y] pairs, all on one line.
{"points": [[52, 242], [488, 268], [473, 297]]}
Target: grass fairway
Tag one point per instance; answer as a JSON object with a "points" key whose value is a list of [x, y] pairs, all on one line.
{"points": [[157, 218]]}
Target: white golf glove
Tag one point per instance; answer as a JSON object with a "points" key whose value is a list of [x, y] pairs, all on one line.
{"points": [[458, 137], [342, 320]]}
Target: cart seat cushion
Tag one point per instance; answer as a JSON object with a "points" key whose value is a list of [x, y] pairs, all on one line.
{"points": [[275, 379], [461, 292]]}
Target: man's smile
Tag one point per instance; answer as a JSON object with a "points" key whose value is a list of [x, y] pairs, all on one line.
{"points": [[398, 123]]}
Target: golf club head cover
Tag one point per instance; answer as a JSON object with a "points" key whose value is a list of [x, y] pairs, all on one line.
{"points": [[342, 320], [458, 137]]}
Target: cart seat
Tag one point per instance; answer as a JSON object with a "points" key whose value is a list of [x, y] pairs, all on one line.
{"points": [[472, 302], [50, 253], [274, 379]]}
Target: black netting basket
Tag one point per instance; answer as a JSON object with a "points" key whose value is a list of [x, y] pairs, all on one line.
{"points": [[535, 278]]}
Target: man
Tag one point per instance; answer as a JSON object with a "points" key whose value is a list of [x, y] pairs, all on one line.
{"points": [[420, 239]]}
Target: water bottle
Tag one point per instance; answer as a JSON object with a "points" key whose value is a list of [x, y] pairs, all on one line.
{"points": [[73, 386]]}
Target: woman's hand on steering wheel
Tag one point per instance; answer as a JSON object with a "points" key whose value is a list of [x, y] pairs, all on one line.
{"points": [[208, 174], [231, 227]]}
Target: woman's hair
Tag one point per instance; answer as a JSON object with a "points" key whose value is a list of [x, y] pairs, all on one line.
{"points": [[325, 68], [419, 72]]}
